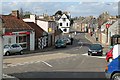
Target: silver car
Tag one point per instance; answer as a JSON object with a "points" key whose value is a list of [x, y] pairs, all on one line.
{"points": [[12, 49]]}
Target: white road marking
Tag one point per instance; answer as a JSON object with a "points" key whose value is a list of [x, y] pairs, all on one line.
{"points": [[20, 64], [47, 64], [103, 57], [81, 44]]}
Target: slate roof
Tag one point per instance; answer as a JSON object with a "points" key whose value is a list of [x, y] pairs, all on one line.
{"points": [[12, 24], [38, 30]]}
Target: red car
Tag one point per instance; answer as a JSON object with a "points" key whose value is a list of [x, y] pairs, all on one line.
{"points": [[109, 55]]}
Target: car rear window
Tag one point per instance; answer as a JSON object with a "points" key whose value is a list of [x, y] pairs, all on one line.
{"points": [[95, 47]]}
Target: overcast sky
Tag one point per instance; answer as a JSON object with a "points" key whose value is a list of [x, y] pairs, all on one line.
{"points": [[76, 8]]}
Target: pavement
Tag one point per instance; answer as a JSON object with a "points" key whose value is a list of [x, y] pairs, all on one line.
{"points": [[93, 40], [40, 50], [8, 77]]}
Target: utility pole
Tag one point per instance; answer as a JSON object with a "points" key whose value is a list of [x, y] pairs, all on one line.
{"points": [[1, 50]]}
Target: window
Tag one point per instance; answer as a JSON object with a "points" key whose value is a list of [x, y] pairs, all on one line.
{"points": [[64, 19], [65, 30], [22, 40], [67, 24], [60, 24]]}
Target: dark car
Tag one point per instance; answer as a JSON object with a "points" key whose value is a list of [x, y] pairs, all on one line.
{"points": [[95, 49], [60, 43], [67, 40]]}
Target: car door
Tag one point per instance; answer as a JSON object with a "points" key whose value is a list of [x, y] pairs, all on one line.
{"points": [[18, 48], [13, 48]]}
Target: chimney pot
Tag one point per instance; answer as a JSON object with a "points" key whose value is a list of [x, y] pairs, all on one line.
{"points": [[15, 13]]}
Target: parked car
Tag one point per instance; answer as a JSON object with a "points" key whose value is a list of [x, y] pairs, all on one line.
{"points": [[112, 70], [60, 43], [67, 40], [109, 55], [12, 49], [95, 49]]}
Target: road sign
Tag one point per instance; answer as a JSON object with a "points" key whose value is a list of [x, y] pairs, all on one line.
{"points": [[108, 25]]}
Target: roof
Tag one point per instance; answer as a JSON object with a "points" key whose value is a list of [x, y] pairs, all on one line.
{"points": [[12, 23], [38, 30]]}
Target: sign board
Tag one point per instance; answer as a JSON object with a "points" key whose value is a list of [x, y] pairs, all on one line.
{"points": [[49, 29], [108, 25]]}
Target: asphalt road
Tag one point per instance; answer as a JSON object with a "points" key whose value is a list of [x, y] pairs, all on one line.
{"points": [[70, 62]]}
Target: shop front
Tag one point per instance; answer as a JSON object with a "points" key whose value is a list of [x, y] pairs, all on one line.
{"points": [[22, 38]]}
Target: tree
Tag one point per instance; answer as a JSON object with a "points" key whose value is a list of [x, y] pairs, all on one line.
{"points": [[27, 14], [21, 13], [59, 12], [71, 22]]}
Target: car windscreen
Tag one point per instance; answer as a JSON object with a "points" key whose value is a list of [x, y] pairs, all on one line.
{"points": [[95, 47], [6, 46], [59, 41]]}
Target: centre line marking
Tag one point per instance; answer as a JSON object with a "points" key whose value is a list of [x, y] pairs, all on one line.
{"points": [[47, 64]]}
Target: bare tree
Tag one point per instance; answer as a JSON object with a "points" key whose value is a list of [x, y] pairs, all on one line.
{"points": [[21, 13]]}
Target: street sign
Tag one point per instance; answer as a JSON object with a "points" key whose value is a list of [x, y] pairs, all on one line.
{"points": [[108, 25]]}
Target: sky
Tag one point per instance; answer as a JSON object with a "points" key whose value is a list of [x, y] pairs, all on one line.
{"points": [[75, 7]]}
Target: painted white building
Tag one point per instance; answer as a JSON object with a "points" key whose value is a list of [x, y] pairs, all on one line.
{"points": [[64, 23], [47, 25], [17, 31], [31, 19]]}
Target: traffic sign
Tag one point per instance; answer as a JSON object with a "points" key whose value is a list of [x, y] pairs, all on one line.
{"points": [[108, 25]]}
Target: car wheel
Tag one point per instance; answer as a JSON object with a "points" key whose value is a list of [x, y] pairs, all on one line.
{"points": [[7, 53], [56, 47], [116, 76], [110, 60], [88, 53], [101, 54], [21, 52], [91, 54]]}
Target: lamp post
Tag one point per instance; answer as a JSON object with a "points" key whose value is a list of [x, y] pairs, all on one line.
{"points": [[107, 26]]}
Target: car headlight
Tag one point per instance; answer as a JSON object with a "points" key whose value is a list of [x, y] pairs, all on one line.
{"points": [[89, 50], [100, 50]]}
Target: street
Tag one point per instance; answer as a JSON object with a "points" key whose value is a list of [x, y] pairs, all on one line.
{"points": [[69, 62]]}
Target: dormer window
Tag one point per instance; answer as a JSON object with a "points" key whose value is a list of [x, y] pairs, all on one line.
{"points": [[64, 19]]}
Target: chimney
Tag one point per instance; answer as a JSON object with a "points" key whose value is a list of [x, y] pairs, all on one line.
{"points": [[15, 13]]}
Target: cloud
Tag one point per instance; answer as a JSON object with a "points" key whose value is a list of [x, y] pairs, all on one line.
{"points": [[60, 0], [75, 8]]}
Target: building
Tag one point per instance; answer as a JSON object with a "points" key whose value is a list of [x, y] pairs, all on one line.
{"points": [[47, 24], [17, 31], [41, 36], [64, 23]]}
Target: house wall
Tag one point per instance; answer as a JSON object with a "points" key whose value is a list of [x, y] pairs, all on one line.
{"points": [[31, 19], [43, 25], [103, 38], [32, 40], [9, 39], [112, 30]]}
